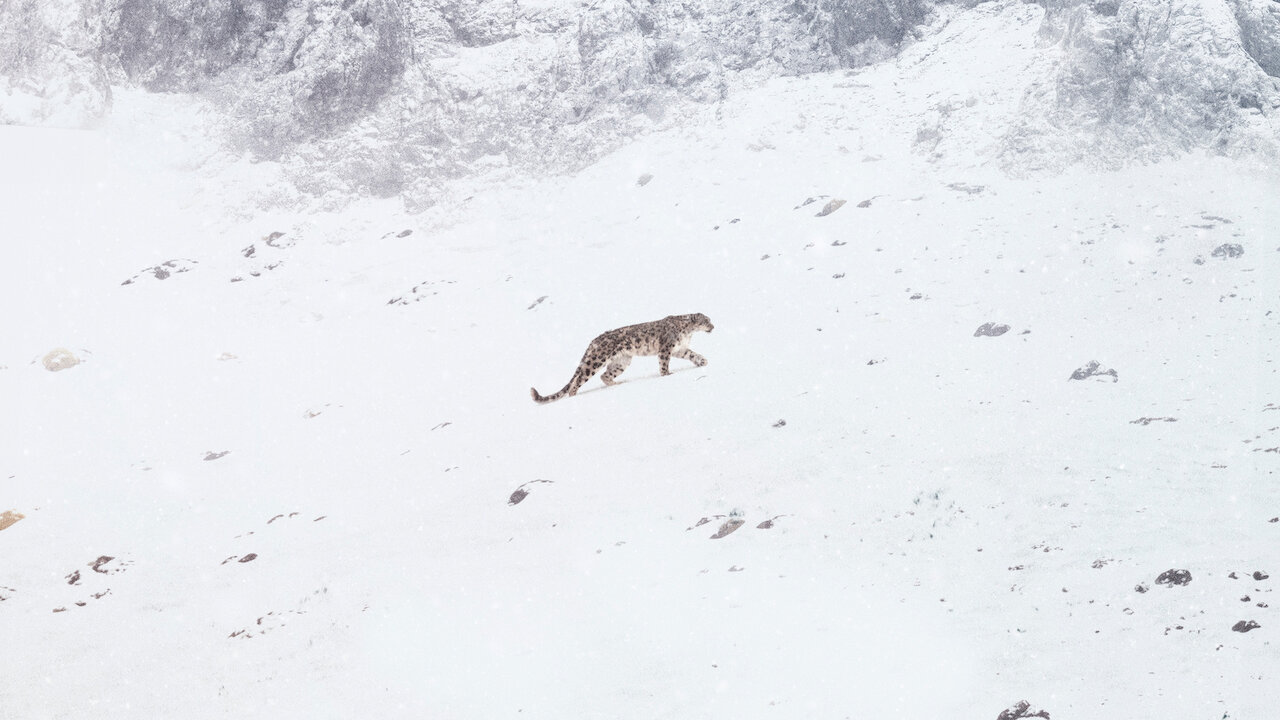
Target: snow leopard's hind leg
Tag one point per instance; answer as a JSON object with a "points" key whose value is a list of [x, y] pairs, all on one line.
{"points": [[617, 364]]}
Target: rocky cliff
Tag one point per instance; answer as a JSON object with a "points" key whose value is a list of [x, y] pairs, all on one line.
{"points": [[394, 97]]}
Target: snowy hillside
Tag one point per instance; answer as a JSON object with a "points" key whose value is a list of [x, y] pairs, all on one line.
{"points": [[964, 440]]}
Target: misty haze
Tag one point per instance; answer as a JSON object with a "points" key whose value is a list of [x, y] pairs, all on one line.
{"points": [[933, 372]]}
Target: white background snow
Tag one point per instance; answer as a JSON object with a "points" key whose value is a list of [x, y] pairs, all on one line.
{"points": [[300, 458]]}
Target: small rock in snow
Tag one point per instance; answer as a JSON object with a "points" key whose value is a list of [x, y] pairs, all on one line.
{"points": [[1259, 575], [729, 526], [780, 423], [1022, 709], [517, 496], [991, 330], [59, 359], [1228, 250], [163, 270], [9, 517], [831, 206], [1149, 420], [211, 455], [1095, 370], [1174, 577], [644, 179], [278, 240], [1245, 626]]}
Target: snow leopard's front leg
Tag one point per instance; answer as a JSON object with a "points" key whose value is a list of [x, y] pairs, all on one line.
{"points": [[691, 356]]}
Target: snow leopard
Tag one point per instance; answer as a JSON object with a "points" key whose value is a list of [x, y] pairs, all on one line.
{"points": [[666, 338]]}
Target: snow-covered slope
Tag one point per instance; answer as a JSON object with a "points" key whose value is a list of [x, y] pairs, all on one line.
{"points": [[283, 480]]}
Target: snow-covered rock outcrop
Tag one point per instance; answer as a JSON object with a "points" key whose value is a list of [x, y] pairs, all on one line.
{"points": [[395, 97], [1145, 79], [50, 74]]}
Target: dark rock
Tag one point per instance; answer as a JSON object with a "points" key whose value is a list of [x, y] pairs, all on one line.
{"points": [[1245, 626], [1095, 370], [517, 496], [780, 423], [1140, 588], [248, 558], [1174, 577], [1259, 575], [1022, 709], [990, 330]]}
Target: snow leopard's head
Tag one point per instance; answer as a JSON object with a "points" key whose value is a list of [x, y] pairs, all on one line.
{"points": [[701, 322]]}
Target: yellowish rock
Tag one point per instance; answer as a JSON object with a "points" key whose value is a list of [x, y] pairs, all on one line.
{"points": [[60, 359], [9, 517]]}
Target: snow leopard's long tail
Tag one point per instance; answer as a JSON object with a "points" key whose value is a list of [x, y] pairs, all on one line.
{"points": [[589, 366], [544, 399], [571, 388]]}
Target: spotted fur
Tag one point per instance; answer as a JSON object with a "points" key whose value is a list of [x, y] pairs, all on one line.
{"points": [[666, 338]]}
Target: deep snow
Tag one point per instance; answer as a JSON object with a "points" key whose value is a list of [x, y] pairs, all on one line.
{"points": [[956, 525]]}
